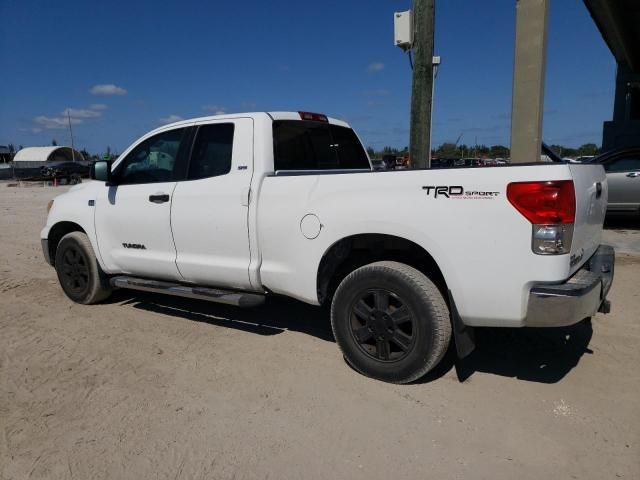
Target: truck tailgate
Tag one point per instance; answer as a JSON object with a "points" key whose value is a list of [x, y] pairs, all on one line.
{"points": [[591, 190]]}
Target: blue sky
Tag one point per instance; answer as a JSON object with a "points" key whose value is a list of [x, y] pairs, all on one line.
{"points": [[124, 67]]}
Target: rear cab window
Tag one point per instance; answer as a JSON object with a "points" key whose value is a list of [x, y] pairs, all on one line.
{"points": [[308, 145]]}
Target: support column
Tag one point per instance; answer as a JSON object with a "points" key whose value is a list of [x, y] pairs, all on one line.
{"points": [[528, 80]]}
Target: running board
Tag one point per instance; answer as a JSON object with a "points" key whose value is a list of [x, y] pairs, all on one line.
{"points": [[229, 297]]}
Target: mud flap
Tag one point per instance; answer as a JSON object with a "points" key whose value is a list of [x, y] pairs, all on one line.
{"points": [[463, 335]]}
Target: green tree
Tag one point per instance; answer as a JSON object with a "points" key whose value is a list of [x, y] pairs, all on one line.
{"points": [[447, 149], [499, 151], [54, 143], [371, 152], [588, 149]]}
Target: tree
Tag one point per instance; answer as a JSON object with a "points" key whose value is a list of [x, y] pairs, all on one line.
{"points": [[54, 143], [371, 152], [588, 149], [12, 148], [447, 149], [499, 151], [85, 154]]}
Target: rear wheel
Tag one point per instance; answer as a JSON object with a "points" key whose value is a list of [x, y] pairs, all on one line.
{"points": [[80, 276], [391, 322]]}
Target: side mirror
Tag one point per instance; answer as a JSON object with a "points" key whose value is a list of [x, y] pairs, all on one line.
{"points": [[101, 171]]}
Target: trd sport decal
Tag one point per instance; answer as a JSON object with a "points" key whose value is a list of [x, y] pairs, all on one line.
{"points": [[458, 191]]}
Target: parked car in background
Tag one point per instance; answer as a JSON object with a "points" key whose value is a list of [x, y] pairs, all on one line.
{"points": [[622, 167], [66, 169], [377, 164], [584, 158], [389, 162]]}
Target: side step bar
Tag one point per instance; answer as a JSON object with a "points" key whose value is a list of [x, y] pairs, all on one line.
{"points": [[229, 297]]}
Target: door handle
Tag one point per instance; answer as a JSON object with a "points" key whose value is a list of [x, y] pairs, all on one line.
{"points": [[633, 174], [159, 198]]}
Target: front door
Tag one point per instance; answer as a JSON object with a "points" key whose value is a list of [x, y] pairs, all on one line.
{"points": [[209, 213], [133, 216]]}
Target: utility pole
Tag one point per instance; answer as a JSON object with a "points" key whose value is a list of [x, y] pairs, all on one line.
{"points": [[422, 88], [73, 150]]}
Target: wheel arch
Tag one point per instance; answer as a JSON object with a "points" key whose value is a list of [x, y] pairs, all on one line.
{"points": [[56, 233], [354, 251]]}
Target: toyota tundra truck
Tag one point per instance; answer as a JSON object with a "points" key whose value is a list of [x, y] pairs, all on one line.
{"points": [[236, 208]]}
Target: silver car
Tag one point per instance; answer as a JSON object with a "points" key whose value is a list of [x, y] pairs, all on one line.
{"points": [[623, 176]]}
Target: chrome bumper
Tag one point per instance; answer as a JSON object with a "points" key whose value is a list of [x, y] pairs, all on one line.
{"points": [[580, 297]]}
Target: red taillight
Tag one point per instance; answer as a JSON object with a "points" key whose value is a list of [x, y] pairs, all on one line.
{"points": [[314, 117], [544, 202]]}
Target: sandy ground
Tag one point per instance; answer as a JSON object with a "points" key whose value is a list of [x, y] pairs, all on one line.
{"points": [[147, 386]]}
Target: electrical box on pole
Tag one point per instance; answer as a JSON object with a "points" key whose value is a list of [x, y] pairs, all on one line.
{"points": [[403, 29]]}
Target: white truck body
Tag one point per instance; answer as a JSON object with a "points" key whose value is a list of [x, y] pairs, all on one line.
{"points": [[260, 230]]}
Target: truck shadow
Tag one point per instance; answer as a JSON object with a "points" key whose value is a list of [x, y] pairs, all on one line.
{"points": [[274, 317], [543, 355], [534, 355]]}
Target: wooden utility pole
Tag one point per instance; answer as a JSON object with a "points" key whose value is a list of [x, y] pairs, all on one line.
{"points": [[422, 89]]}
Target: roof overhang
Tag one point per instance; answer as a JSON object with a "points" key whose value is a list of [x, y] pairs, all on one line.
{"points": [[619, 24]]}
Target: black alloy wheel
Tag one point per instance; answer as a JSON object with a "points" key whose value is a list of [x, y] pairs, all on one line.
{"points": [[382, 325], [74, 270]]}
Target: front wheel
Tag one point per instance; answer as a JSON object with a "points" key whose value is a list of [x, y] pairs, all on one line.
{"points": [[78, 271], [391, 322]]}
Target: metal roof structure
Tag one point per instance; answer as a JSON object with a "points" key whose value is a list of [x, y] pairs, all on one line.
{"points": [[45, 154]]}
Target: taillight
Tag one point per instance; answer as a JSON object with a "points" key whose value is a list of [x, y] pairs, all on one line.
{"points": [[544, 202], [551, 208], [314, 117]]}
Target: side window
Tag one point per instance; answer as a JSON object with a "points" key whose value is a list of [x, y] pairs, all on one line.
{"points": [[212, 151], [303, 146], [350, 151], [153, 161], [623, 164]]}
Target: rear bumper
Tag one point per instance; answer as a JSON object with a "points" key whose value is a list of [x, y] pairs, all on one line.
{"points": [[580, 297]]}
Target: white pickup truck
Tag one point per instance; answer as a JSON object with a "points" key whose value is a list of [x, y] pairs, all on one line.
{"points": [[234, 208]]}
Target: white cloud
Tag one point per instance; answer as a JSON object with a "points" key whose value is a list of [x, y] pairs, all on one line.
{"points": [[170, 119], [107, 89], [55, 122], [375, 67], [215, 109], [98, 106], [81, 113]]}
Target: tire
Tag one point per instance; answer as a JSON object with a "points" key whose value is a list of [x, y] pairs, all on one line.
{"points": [[79, 274], [396, 340]]}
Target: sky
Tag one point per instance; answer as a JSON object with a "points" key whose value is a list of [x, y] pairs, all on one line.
{"points": [[122, 68]]}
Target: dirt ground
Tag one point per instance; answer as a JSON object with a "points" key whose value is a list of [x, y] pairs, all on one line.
{"points": [[146, 386]]}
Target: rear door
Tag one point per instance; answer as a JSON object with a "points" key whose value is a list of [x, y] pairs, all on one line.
{"points": [[623, 176], [132, 216], [209, 213]]}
